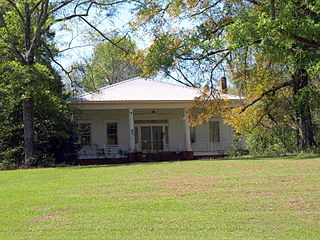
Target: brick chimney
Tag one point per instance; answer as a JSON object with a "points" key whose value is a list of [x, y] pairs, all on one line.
{"points": [[223, 85]]}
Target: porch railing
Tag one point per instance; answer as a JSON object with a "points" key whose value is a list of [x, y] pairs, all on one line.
{"points": [[211, 146], [94, 151], [116, 151], [166, 148], [200, 147]]}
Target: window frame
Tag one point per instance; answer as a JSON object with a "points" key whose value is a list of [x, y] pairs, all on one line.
{"points": [[193, 132], [106, 132], [91, 132], [152, 123], [219, 131]]}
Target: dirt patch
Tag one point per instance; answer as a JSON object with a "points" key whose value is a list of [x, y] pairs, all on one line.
{"points": [[308, 167], [284, 180], [299, 204], [241, 166], [49, 216], [141, 195], [262, 193], [313, 163], [159, 186], [302, 204], [98, 191], [308, 209], [183, 184]]}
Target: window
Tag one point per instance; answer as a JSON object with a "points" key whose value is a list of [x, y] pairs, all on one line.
{"points": [[112, 134], [192, 134], [214, 131], [85, 134]]}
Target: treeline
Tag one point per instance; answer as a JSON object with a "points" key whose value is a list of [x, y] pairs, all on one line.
{"points": [[268, 49]]}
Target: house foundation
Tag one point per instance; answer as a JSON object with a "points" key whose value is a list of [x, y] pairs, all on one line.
{"points": [[134, 157], [186, 155], [150, 157]]}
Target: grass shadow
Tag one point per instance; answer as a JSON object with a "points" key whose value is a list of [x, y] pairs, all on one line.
{"points": [[243, 158], [79, 167], [273, 157]]}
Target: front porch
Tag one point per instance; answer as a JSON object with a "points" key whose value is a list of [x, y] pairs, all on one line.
{"points": [[136, 134]]}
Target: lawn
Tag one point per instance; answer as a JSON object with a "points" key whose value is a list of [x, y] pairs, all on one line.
{"points": [[266, 198]]}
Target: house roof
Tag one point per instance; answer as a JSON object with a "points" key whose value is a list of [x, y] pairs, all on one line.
{"points": [[141, 89]]}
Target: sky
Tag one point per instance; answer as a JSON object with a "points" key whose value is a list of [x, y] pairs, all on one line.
{"points": [[77, 38]]}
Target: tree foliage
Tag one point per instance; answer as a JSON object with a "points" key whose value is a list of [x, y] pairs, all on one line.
{"points": [[109, 64], [55, 132], [26, 34], [268, 48]]}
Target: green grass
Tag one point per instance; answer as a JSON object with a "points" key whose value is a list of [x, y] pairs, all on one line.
{"points": [[267, 198]]}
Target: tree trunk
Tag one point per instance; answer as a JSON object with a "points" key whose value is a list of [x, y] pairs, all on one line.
{"points": [[27, 104], [29, 146], [305, 138], [272, 9]]}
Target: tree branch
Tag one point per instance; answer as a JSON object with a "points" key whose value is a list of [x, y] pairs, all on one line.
{"points": [[57, 63], [86, 13], [185, 78], [39, 28], [63, 4], [206, 9], [12, 45], [272, 90], [17, 9], [74, 47], [35, 6], [103, 35], [177, 80], [254, 2], [204, 56], [307, 42]]}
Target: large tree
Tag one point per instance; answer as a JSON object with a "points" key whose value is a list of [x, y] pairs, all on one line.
{"points": [[270, 49], [55, 131], [25, 27]]}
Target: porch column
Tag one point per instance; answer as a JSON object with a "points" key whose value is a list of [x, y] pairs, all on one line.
{"points": [[187, 131], [131, 131]]}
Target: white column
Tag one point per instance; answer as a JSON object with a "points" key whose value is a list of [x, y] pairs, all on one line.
{"points": [[131, 131], [187, 131]]}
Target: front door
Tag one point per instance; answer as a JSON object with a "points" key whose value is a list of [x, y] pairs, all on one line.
{"points": [[151, 138]]}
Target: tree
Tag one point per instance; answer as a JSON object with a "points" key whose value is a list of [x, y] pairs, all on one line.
{"points": [[25, 30], [56, 132], [269, 47], [109, 64], [284, 33]]}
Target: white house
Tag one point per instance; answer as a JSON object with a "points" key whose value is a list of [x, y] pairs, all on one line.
{"points": [[141, 119]]}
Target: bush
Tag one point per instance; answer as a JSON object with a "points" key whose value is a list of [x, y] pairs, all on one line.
{"points": [[237, 152], [278, 141]]}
